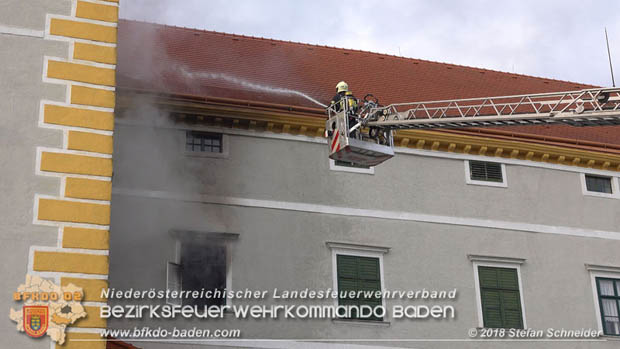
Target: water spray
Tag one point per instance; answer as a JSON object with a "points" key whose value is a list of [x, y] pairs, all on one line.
{"points": [[249, 85]]}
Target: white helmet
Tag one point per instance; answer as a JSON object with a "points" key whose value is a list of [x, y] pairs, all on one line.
{"points": [[342, 86]]}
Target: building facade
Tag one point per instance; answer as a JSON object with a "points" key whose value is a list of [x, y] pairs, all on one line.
{"points": [[221, 180], [58, 84]]}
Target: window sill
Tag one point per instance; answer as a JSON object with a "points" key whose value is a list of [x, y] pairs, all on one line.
{"points": [[609, 337], [338, 168], [600, 195], [362, 322], [195, 154], [487, 184]]}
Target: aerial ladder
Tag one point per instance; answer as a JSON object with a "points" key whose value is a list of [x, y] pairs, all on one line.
{"points": [[364, 135]]}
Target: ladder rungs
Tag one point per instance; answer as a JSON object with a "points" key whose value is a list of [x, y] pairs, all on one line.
{"points": [[591, 107]]}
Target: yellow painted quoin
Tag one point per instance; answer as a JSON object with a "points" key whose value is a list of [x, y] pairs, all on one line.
{"points": [[95, 97], [86, 141], [76, 164], [74, 117], [70, 262], [83, 166], [94, 239], [94, 53], [74, 211], [83, 30], [81, 73], [84, 188], [91, 287]]}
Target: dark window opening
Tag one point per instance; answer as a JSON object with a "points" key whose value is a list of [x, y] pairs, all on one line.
{"points": [[598, 184], [203, 142], [500, 298], [609, 302], [349, 164], [485, 171], [359, 274], [203, 267]]}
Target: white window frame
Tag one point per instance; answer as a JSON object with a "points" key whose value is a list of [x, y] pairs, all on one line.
{"points": [[496, 262], [615, 192], [227, 243], [502, 184], [206, 154], [603, 271], [173, 301], [334, 167], [357, 250]]}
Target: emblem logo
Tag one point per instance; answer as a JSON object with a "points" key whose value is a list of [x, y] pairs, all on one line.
{"points": [[46, 308], [36, 319]]}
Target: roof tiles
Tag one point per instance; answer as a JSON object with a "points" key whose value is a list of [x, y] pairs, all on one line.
{"points": [[185, 61]]}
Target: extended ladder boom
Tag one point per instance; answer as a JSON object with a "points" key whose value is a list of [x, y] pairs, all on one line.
{"points": [[591, 107]]}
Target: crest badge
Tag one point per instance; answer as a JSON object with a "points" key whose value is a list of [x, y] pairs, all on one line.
{"points": [[35, 319]]}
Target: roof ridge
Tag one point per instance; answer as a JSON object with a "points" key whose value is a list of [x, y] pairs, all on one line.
{"points": [[298, 43]]}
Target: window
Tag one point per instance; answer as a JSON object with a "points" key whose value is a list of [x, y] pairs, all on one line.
{"points": [[203, 142], [358, 268], [348, 164], [355, 274], [499, 292], [608, 291], [202, 263], [598, 184], [343, 166], [485, 173], [203, 267], [500, 297]]}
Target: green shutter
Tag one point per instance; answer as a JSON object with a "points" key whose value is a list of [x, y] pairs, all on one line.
{"points": [[511, 309], [507, 279], [500, 298], [347, 267], [359, 274], [347, 278], [487, 276], [368, 268], [491, 308]]}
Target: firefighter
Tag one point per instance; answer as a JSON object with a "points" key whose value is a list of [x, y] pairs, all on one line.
{"points": [[342, 89], [345, 96]]}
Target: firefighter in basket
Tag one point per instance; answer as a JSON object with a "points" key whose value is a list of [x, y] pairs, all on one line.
{"points": [[345, 97]]}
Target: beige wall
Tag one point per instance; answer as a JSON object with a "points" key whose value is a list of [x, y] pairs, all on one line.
{"points": [[56, 145], [285, 202]]}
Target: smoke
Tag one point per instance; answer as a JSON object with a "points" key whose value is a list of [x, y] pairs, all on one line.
{"points": [[246, 84], [145, 60]]}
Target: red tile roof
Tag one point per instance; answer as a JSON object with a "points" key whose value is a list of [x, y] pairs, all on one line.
{"points": [[194, 62]]}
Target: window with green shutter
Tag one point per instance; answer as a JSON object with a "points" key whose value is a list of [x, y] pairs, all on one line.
{"points": [[500, 298], [357, 273], [609, 302]]}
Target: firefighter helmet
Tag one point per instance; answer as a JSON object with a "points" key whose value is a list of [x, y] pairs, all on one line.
{"points": [[342, 86]]}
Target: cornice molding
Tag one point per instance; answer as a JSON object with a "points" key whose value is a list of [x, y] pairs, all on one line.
{"points": [[602, 268], [295, 122], [495, 259], [356, 247]]}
